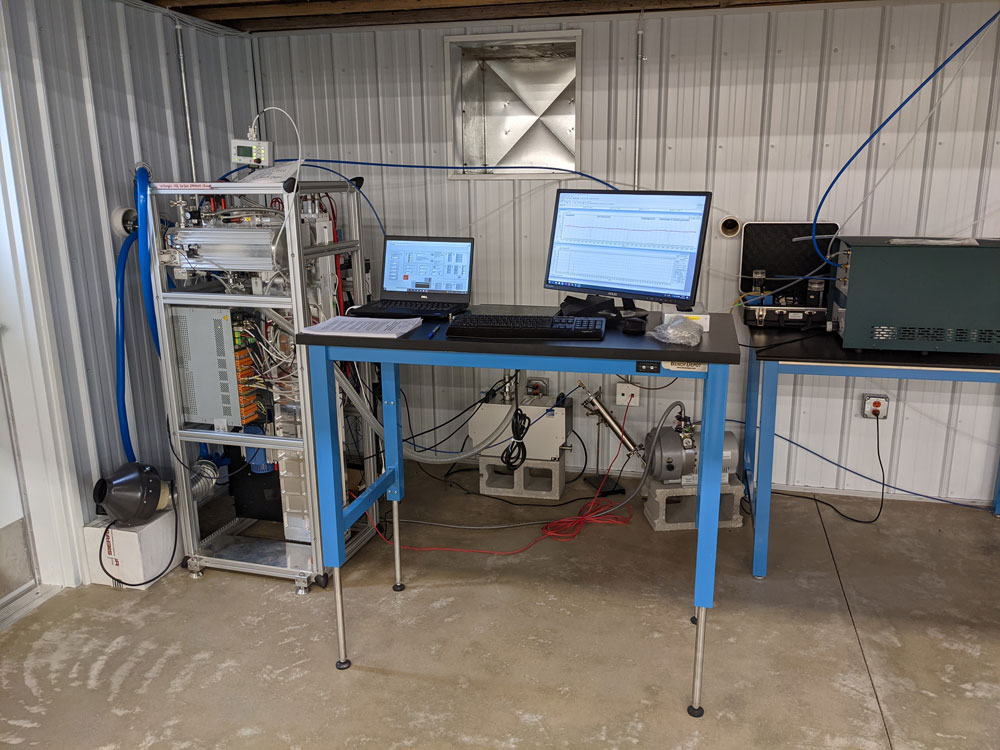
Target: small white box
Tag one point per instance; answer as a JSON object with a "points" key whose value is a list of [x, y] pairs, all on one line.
{"points": [[131, 553]]}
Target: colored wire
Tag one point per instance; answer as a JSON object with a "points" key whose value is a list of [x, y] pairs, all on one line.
{"points": [[170, 560], [514, 453], [597, 510], [462, 168], [585, 458], [648, 387], [888, 486], [885, 122]]}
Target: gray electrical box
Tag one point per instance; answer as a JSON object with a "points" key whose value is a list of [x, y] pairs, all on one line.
{"points": [[206, 365], [918, 294]]}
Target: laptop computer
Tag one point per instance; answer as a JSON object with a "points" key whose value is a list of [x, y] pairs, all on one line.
{"points": [[427, 277]]}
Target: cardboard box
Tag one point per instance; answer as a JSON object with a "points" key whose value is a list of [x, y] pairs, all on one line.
{"points": [[132, 554]]}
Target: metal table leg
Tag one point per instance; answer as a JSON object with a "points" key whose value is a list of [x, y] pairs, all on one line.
{"points": [[695, 709], [338, 594], [393, 457], [329, 480], [398, 585], [707, 517], [765, 467]]}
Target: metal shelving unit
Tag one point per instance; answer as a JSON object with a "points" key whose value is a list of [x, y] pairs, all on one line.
{"points": [[229, 547]]}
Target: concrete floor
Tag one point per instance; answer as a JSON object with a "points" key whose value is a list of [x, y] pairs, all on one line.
{"points": [[892, 640]]}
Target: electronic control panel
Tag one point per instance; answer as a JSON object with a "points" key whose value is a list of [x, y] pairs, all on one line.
{"points": [[253, 153]]}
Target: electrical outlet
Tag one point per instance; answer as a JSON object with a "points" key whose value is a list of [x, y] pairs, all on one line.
{"points": [[536, 386], [626, 392], [874, 406]]}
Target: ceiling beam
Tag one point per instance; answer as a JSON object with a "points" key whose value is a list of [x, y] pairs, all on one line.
{"points": [[488, 10], [181, 4], [270, 9]]}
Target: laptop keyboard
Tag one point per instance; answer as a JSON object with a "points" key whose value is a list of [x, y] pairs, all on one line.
{"points": [[420, 304]]}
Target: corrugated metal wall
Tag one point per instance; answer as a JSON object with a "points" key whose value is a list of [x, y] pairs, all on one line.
{"points": [[100, 91], [761, 107]]}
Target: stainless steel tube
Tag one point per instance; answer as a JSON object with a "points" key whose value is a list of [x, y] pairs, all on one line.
{"points": [[695, 708], [338, 595], [640, 58], [184, 92], [593, 402], [399, 585]]}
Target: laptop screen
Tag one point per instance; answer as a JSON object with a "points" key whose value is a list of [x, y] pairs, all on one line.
{"points": [[427, 265]]}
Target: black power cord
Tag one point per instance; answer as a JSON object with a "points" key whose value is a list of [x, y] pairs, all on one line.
{"points": [[586, 459], [838, 511], [515, 454]]}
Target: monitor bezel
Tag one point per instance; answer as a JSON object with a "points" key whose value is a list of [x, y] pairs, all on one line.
{"points": [[456, 297], [674, 300]]}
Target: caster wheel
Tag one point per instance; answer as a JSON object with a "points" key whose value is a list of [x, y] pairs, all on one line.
{"points": [[398, 586], [696, 712], [694, 620], [343, 664], [322, 580], [184, 561]]}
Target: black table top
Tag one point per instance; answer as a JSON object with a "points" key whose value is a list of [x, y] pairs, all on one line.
{"points": [[718, 346], [821, 347]]}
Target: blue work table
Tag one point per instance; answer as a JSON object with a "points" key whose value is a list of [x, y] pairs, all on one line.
{"points": [[786, 352], [617, 354]]}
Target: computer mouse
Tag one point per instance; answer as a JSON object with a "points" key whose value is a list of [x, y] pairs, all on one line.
{"points": [[634, 326]]}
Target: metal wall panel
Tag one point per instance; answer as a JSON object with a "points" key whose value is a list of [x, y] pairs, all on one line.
{"points": [[100, 91], [761, 106]]}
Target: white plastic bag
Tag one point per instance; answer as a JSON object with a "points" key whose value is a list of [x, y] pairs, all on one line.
{"points": [[678, 329]]}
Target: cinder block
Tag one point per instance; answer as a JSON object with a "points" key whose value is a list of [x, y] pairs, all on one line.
{"points": [[673, 507], [534, 479]]}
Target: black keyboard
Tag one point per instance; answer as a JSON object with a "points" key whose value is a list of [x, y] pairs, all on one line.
{"points": [[525, 327], [418, 304], [385, 308]]}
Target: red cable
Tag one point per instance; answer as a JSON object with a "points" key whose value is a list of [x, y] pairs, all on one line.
{"points": [[340, 281], [596, 511], [562, 530]]}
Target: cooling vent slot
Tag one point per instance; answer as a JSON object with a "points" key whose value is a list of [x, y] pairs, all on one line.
{"points": [[936, 335]]}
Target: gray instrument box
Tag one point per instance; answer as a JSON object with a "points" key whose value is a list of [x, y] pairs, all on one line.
{"points": [[206, 365], [918, 295]]}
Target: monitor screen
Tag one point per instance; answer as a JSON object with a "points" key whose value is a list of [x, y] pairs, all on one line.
{"points": [[637, 244], [427, 264]]}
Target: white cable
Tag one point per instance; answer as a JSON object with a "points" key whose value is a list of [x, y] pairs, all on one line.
{"points": [[298, 161]]}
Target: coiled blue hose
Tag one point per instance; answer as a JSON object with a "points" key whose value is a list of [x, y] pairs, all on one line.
{"points": [[145, 273], [120, 265]]}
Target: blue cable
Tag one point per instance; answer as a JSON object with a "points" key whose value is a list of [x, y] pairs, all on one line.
{"points": [[145, 272], [865, 476], [120, 264], [347, 179], [460, 169], [885, 122]]}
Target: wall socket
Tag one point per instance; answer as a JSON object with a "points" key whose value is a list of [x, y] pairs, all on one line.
{"points": [[874, 406], [626, 391], [536, 386]]}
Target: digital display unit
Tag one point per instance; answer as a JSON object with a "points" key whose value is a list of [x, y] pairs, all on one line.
{"points": [[427, 265], [636, 244]]}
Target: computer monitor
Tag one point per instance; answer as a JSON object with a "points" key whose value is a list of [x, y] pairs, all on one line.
{"points": [[636, 244], [436, 268]]}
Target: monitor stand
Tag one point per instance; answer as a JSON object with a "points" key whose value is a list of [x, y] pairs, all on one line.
{"points": [[596, 305]]}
